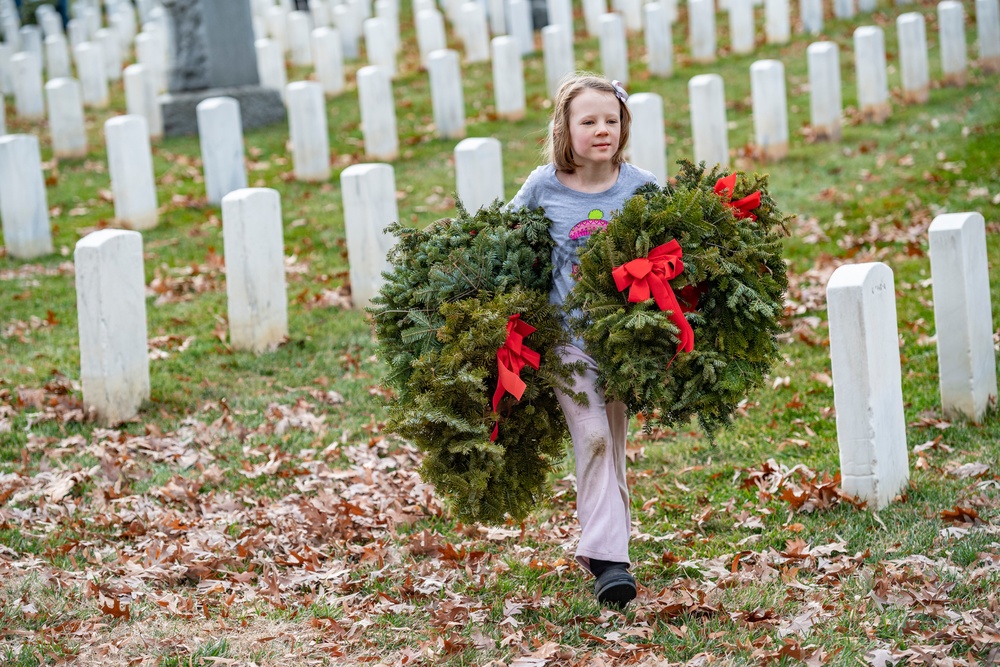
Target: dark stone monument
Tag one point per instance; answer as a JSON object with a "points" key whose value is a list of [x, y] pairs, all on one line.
{"points": [[212, 54]]}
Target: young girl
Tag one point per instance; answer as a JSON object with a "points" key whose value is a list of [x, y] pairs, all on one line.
{"points": [[585, 182]]}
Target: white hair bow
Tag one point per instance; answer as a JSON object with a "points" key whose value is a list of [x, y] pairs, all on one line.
{"points": [[619, 91]]}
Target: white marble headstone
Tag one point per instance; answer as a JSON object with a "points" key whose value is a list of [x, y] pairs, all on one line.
{"points": [[27, 75], [867, 390], [914, 69], [255, 269], [557, 49], [69, 134], [369, 196], [24, 210], [378, 114], [521, 28], [508, 78], [388, 12], [963, 315], [57, 57], [141, 98], [379, 46], [447, 97], [475, 32], [220, 134], [988, 34], [307, 126], [592, 11], [843, 9], [951, 32], [478, 172], [708, 120], [770, 108], [811, 14], [701, 30], [870, 69], [31, 42], [111, 313], [110, 46], [328, 55], [6, 70], [430, 33], [149, 54], [648, 147], [271, 66], [614, 48], [659, 40], [825, 99], [349, 28], [777, 24], [631, 13], [298, 30], [741, 26], [93, 75], [130, 164]]}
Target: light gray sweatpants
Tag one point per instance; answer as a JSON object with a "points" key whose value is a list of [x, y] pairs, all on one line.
{"points": [[598, 431]]}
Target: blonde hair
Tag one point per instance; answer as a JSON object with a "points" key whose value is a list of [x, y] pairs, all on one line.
{"points": [[559, 148]]}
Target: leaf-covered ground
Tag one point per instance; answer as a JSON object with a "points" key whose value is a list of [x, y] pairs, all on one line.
{"points": [[333, 548]]}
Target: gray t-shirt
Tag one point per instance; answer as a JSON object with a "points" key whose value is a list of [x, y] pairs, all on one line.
{"points": [[574, 215]]}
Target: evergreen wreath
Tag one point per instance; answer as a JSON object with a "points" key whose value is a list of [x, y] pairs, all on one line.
{"points": [[702, 344], [443, 319]]}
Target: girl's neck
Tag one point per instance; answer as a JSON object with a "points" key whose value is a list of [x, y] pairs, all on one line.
{"points": [[590, 178]]}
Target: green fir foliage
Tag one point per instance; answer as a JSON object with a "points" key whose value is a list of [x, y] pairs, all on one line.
{"points": [[735, 280], [456, 258], [440, 318]]}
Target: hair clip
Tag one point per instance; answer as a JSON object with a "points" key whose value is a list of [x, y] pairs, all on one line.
{"points": [[620, 91]]}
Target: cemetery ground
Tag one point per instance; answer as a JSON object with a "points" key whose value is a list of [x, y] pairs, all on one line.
{"points": [[256, 511]]}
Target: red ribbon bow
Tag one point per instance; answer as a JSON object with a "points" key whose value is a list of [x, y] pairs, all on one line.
{"points": [[511, 358], [647, 276], [726, 188]]}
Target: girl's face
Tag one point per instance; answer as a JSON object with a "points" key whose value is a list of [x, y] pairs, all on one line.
{"points": [[594, 127]]}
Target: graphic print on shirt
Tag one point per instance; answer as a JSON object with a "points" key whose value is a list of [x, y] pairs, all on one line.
{"points": [[566, 256]]}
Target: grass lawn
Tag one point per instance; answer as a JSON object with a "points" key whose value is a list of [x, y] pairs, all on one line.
{"points": [[257, 512]]}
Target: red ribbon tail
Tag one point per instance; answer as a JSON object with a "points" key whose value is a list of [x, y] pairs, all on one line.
{"points": [[498, 394], [687, 335], [662, 294], [512, 382], [496, 429]]}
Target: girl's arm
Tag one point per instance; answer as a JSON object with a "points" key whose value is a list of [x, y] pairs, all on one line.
{"points": [[527, 196]]}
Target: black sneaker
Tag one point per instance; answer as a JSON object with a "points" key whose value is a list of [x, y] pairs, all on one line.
{"points": [[615, 586]]}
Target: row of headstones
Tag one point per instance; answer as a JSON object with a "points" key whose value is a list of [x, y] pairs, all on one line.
{"points": [[767, 81], [65, 100], [864, 353], [87, 27], [23, 205], [97, 55], [308, 121], [309, 134], [871, 429], [24, 211], [353, 21], [309, 131], [110, 284], [290, 31], [222, 141]]}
